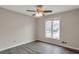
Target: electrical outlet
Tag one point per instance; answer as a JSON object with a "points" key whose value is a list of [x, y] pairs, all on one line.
{"points": [[64, 42]]}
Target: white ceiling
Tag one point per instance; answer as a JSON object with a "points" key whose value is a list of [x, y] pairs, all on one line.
{"points": [[54, 8]]}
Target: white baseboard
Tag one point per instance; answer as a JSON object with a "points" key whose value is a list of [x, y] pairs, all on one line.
{"points": [[40, 40], [61, 45], [68, 46], [16, 45]]}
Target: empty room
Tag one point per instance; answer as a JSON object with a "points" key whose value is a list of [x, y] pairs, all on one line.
{"points": [[39, 29]]}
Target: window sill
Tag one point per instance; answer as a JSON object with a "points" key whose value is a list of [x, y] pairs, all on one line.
{"points": [[51, 38]]}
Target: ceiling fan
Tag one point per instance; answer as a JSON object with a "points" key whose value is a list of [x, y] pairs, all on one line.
{"points": [[39, 11]]}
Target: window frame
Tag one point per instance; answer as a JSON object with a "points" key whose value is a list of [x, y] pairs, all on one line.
{"points": [[51, 29]]}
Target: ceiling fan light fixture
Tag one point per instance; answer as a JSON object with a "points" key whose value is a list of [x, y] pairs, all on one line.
{"points": [[38, 14], [39, 11]]}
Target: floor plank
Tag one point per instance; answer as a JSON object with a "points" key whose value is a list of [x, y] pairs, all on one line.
{"points": [[37, 48]]}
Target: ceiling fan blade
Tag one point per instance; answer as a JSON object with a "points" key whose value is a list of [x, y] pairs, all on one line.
{"points": [[30, 10], [33, 15], [47, 11]]}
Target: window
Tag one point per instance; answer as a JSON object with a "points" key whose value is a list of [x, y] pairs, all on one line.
{"points": [[52, 29]]}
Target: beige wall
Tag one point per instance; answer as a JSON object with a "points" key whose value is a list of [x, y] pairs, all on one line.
{"points": [[69, 28], [15, 29]]}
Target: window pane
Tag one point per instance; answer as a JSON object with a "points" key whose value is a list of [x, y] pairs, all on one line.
{"points": [[48, 29], [56, 29], [52, 29]]}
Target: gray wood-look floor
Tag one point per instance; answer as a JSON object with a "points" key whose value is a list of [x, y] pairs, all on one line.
{"points": [[37, 48]]}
